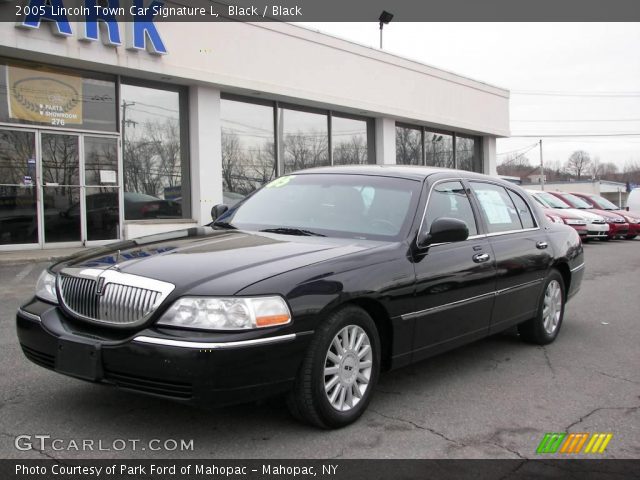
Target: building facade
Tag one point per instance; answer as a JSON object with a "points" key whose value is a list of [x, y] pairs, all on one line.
{"points": [[103, 137]]}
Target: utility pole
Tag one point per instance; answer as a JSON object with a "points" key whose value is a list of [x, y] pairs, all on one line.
{"points": [[125, 122], [541, 167]]}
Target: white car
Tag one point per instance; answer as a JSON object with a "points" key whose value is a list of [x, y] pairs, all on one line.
{"points": [[597, 226]]}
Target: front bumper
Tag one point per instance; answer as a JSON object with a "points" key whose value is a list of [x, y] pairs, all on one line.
{"points": [[597, 230], [634, 229], [618, 230], [205, 369]]}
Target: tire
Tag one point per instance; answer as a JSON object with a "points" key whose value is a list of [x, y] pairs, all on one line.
{"points": [[630, 237], [309, 399], [544, 328]]}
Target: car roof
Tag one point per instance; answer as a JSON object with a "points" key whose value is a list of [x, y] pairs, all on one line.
{"points": [[411, 172]]}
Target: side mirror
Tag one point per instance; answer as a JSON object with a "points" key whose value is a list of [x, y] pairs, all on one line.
{"points": [[218, 210], [444, 230]]}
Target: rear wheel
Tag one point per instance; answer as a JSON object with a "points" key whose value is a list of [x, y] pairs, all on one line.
{"points": [[544, 328], [337, 377]]}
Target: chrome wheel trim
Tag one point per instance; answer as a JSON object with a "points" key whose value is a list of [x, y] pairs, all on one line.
{"points": [[552, 307], [347, 368]]}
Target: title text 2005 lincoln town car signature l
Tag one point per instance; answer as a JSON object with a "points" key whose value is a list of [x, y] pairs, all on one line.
{"points": [[310, 286]]}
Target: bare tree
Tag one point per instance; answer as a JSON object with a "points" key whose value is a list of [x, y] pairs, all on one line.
{"points": [[408, 146], [578, 163], [604, 170]]}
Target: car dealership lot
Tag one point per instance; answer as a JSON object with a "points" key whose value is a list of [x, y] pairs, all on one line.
{"points": [[494, 398]]}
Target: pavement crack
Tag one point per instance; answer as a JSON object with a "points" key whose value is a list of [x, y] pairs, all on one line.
{"points": [[595, 410], [617, 377], [548, 361], [419, 427], [515, 452]]}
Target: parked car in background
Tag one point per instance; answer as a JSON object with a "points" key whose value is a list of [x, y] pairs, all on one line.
{"points": [[618, 226], [596, 225], [310, 287], [140, 206], [632, 217]]}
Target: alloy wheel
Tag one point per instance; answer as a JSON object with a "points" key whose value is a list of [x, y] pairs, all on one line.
{"points": [[552, 309], [347, 368]]}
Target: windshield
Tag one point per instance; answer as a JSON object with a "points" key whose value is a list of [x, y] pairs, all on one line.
{"points": [[551, 200], [352, 206], [574, 201], [603, 203]]}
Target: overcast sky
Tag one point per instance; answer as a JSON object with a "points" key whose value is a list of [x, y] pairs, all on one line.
{"points": [[580, 58]]}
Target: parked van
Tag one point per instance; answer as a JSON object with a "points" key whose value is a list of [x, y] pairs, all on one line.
{"points": [[633, 202]]}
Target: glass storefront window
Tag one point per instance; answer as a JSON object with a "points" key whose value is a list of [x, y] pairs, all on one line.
{"points": [[305, 139], [438, 148], [349, 141], [408, 146], [18, 212], [248, 152], [153, 147], [468, 154], [42, 95]]}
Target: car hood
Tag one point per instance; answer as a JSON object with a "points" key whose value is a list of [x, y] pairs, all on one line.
{"points": [[625, 213], [606, 213], [222, 262], [587, 215]]}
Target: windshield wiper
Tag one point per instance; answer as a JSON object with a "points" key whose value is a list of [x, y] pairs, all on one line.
{"points": [[226, 225], [293, 231]]}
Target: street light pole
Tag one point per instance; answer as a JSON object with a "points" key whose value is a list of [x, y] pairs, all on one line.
{"points": [[385, 18]]}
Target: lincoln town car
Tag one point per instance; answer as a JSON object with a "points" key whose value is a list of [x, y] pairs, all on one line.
{"points": [[308, 289]]}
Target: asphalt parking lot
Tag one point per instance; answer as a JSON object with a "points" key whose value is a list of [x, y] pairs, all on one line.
{"points": [[493, 399]]}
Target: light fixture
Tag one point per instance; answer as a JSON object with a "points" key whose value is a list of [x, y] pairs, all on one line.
{"points": [[385, 18]]}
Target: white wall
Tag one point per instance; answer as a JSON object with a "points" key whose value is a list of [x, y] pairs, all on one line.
{"points": [[283, 61]]}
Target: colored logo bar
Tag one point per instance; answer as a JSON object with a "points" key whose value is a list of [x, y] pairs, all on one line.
{"points": [[568, 443]]}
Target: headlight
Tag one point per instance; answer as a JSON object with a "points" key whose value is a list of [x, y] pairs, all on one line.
{"points": [[554, 218], [574, 221], [610, 219], [226, 313], [46, 287]]}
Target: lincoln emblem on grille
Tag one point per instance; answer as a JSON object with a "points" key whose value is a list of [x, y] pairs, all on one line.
{"points": [[100, 286]]}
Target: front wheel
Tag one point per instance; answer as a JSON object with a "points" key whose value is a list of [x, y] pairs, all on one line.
{"points": [[630, 237], [544, 328], [340, 370]]}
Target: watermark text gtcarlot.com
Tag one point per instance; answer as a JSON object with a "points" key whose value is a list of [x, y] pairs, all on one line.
{"points": [[47, 442]]}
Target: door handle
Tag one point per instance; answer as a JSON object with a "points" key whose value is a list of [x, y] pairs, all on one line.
{"points": [[481, 257], [542, 245]]}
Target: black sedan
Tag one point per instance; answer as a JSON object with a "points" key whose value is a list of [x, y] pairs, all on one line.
{"points": [[309, 287]]}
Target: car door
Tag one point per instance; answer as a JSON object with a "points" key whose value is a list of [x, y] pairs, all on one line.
{"points": [[455, 282], [521, 251]]}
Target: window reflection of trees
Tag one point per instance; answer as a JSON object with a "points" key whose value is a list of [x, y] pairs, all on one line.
{"points": [[408, 146], [16, 149], [152, 158]]}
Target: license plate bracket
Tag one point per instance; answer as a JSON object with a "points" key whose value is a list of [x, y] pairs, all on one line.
{"points": [[79, 359]]}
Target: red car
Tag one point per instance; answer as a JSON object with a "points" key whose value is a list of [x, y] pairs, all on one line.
{"points": [[558, 216], [618, 225], [596, 201]]}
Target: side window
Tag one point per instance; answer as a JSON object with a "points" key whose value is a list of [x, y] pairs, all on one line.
{"points": [[523, 210], [498, 208], [449, 199]]}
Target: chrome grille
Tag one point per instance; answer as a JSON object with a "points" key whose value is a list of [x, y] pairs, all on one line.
{"points": [[123, 300]]}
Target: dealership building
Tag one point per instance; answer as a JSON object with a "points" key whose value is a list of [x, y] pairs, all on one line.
{"points": [[112, 131]]}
